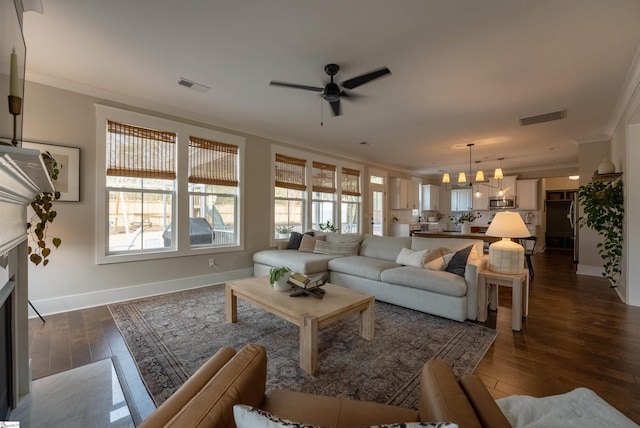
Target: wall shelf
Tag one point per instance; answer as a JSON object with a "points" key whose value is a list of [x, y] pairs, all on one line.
{"points": [[606, 177]]}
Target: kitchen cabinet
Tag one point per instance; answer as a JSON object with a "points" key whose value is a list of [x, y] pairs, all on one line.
{"points": [[508, 186], [527, 191], [461, 200], [405, 194], [481, 197], [430, 197]]}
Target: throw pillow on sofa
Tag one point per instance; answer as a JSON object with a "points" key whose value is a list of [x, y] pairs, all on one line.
{"points": [[295, 238], [458, 263], [308, 243], [338, 248], [410, 257], [437, 259]]}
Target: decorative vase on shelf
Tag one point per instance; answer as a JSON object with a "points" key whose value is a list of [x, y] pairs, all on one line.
{"points": [[606, 167], [465, 228]]}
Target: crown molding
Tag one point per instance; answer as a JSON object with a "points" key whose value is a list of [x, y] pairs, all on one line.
{"points": [[629, 99]]}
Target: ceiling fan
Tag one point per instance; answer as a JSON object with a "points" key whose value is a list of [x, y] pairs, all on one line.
{"points": [[332, 92]]}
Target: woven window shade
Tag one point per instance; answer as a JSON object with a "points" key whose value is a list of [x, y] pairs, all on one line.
{"points": [[211, 162], [140, 152], [290, 172], [351, 182], [324, 177]]}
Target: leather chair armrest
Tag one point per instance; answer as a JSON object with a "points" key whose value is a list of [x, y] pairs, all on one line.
{"points": [[442, 398], [483, 403], [188, 390]]}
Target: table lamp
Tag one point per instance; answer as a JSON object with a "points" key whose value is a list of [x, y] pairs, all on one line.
{"points": [[506, 256]]}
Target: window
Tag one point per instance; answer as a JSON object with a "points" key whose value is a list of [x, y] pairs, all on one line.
{"points": [[290, 191], [213, 192], [141, 179], [323, 199], [351, 201], [334, 194], [171, 189]]}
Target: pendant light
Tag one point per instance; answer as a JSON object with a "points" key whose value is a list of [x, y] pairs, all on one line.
{"points": [[499, 176], [479, 177], [479, 172], [498, 172], [446, 178]]}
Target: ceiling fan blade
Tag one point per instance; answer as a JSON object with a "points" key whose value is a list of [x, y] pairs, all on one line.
{"points": [[337, 109], [296, 86], [361, 80], [349, 95]]}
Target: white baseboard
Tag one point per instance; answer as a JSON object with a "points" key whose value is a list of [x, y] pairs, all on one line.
{"points": [[589, 270], [88, 300]]}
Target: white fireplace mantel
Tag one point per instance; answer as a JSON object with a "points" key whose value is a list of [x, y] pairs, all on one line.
{"points": [[22, 176]]}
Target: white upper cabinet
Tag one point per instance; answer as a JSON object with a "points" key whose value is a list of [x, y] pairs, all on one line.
{"points": [[481, 197], [430, 197], [527, 194], [461, 200], [405, 194]]}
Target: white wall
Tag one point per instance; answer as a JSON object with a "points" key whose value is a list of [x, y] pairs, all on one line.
{"points": [[590, 155]]}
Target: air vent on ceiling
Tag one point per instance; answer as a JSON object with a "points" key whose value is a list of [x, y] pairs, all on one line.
{"points": [[545, 117], [192, 85]]}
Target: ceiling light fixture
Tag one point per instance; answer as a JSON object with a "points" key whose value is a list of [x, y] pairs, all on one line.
{"points": [[497, 174], [462, 176]]}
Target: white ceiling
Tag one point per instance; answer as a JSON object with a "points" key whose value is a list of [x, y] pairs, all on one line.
{"points": [[463, 71]]}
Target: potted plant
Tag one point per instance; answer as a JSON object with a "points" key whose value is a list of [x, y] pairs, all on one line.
{"points": [[278, 277], [44, 213], [328, 226], [603, 206], [283, 231]]}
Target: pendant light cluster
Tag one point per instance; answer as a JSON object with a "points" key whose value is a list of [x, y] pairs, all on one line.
{"points": [[462, 176]]}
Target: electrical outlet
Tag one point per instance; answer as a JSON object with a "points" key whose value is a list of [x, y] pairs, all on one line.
{"points": [[212, 262]]}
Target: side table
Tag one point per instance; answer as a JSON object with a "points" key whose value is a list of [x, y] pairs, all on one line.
{"points": [[488, 283]]}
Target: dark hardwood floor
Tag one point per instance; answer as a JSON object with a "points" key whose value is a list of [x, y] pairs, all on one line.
{"points": [[578, 333]]}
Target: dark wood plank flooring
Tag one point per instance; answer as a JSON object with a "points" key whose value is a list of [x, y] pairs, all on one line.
{"points": [[578, 333]]}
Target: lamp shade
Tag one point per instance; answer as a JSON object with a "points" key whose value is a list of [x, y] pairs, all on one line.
{"points": [[446, 178], [506, 256], [498, 174], [480, 175], [462, 177], [508, 224]]}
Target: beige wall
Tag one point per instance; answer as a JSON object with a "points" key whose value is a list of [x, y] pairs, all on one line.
{"points": [[73, 279]]}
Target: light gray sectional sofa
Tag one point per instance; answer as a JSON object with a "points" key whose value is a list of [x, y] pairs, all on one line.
{"points": [[374, 270]]}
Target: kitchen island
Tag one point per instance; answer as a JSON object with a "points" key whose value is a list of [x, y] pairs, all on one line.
{"points": [[441, 234]]}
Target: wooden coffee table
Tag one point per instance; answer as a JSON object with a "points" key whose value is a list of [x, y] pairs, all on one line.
{"points": [[308, 313]]}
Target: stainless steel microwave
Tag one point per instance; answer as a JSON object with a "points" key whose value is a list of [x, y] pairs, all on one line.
{"points": [[502, 203]]}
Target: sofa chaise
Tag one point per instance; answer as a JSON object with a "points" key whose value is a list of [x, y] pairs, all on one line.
{"points": [[374, 267]]}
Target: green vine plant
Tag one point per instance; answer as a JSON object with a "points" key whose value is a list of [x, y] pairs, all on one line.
{"points": [[42, 205], [603, 205]]}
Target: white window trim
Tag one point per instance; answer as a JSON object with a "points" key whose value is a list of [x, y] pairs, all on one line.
{"points": [[310, 157], [183, 130]]}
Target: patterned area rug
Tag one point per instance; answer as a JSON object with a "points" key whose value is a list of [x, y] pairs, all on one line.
{"points": [[170, 336]]}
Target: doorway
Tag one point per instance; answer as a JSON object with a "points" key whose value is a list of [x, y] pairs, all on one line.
{"points": [[377, 203]]}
